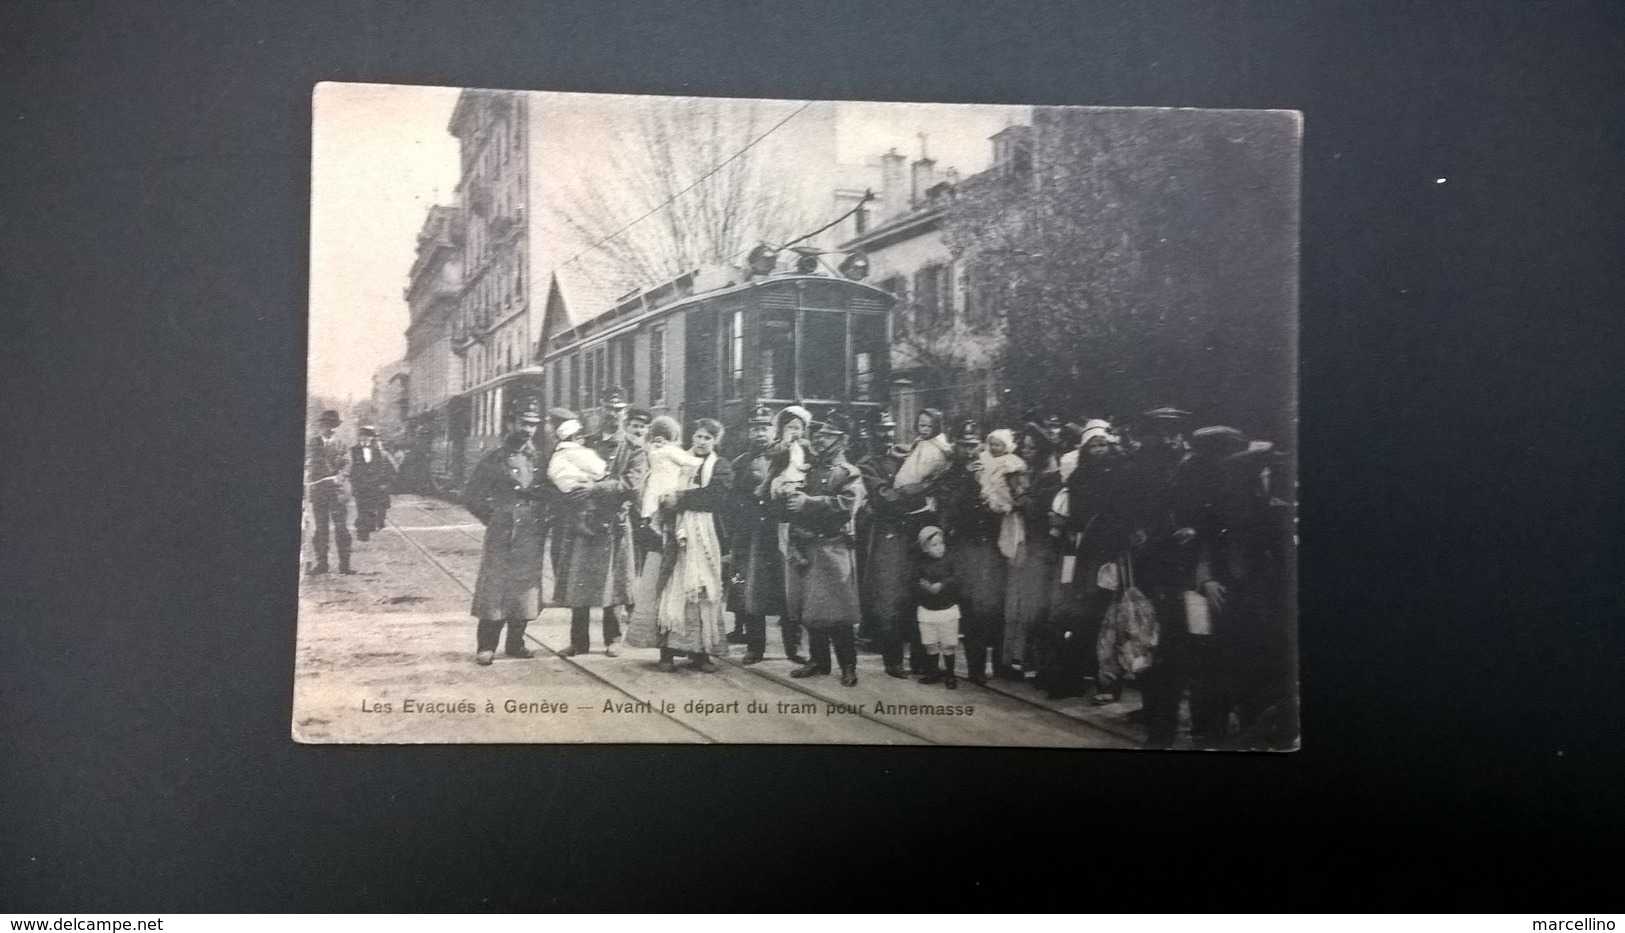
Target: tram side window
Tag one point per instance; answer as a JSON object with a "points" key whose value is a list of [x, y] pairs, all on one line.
{"points": [[575, 382], [733, 350], [657, 364], [621, 356]]}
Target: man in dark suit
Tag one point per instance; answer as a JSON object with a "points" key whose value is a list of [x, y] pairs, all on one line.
{"points": [[372, 477], [325, 466], [757, 565]]}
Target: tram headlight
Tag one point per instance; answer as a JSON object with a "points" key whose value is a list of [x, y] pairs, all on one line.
{"points": [[806, 260], [761, 260], [855, 266]]}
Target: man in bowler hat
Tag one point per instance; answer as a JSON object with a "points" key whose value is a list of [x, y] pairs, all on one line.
{"points": [[326, 463]]}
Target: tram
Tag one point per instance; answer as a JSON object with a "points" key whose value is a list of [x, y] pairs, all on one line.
{"points": [[819, 341], [794, 339]]}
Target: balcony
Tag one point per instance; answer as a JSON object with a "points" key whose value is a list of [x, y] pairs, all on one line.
{"points": [[508, 225]]}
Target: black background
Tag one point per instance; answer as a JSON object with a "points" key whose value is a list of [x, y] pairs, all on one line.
{"points": [[1461, 397]]}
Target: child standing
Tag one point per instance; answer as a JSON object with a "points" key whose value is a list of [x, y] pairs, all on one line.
{"points": [[937, 602]]}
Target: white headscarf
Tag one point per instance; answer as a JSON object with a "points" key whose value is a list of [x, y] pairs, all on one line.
{"points": [[567, 430], [1096, 428]]}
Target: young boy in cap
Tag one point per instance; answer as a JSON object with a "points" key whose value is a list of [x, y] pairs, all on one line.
{"points": [[937, 609]]}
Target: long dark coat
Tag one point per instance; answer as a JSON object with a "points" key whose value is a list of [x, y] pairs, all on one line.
{"points": [[973, 546], [597, 560], [371, 482], [758, 564], [821, 574], [504, 492], [1034, 569], [891, 549]]}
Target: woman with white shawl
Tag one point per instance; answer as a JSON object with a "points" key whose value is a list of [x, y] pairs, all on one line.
{"points": [[689, 610], [1000, 469]]}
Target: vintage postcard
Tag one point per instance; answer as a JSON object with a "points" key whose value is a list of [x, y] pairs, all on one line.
{"points": [[662, 419]]}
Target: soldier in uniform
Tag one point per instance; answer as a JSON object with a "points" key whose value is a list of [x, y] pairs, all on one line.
{"points": [[757, 589], [597, 562], [881, 456], [1164, 556], [822, 589], [372, 477], [898, 496], [506, 492], [325, 466], [973, 535], [606, 433]]}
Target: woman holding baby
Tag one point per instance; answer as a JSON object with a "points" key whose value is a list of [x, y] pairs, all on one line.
{"points": [[684, 501]]}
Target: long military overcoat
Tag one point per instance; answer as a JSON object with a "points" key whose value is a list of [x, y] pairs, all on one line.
{"points": [[821, 574], [597, 563], [758, 564], [504, 492]]}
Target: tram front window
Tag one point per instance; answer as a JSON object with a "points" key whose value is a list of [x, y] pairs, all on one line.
{"points": [[869, 373], [823, 355], [778, 354]]}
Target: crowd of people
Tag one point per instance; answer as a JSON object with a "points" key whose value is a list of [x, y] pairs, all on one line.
{"points": [[1082, 556]]}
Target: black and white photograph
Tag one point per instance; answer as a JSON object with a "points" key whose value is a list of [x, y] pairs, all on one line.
{"points": [[639, 419]]}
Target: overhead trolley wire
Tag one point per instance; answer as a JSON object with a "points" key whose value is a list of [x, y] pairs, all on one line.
{"points": [[697, 182]]}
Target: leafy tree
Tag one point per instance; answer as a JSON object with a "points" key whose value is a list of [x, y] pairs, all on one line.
{"points": [[1147, 257]]}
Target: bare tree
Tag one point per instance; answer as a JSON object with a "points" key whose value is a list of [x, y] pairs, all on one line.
{"points": [[698, 219]]}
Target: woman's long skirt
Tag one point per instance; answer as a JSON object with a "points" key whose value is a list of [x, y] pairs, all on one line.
{"points": [[1028, 592]]}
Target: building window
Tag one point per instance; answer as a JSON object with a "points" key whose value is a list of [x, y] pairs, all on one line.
{"points": [[928, 295], [657, 364]]}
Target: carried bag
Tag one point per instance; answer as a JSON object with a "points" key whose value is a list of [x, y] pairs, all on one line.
{"points": [[1198, 614], [1129, 633], [1106, 577]]}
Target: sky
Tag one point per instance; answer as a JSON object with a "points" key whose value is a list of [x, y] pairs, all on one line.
{"points": [[381, 156]]}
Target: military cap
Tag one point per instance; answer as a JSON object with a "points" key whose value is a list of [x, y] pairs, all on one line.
{"points": [[1218, 441], [886, 420], [634, 413], [763, 415], [969, 430], [833, 423], [330, 417], [530, 416], [561, 415], [1257, 456], [615, 397], [1165, 414], [368, 429]]}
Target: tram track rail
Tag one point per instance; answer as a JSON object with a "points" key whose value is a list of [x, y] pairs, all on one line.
{"points": [[591, 674], [766, 676]]}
